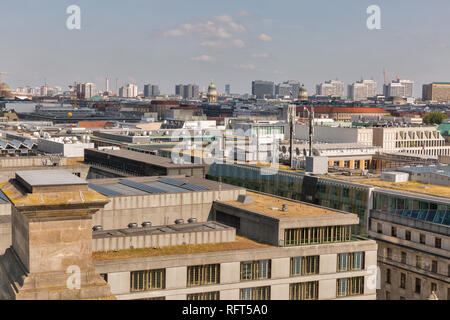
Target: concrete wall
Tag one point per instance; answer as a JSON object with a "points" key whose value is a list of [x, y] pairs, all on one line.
{"points": [[336, 134], [176, 271], [162, 240], [15, 162], [66, 149]]}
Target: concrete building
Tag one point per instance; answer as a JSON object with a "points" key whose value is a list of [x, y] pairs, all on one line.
{"points": [[344, 113], [242, 261], [187, 92], [69, 146], [331, 88], [436, 92], [328, 134], [86, 90], [263, 89], [128, 91], [399, 88], [151, 91], [423, 140], [361, 90]]}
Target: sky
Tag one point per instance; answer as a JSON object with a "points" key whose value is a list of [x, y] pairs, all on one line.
{"points": [[167, 42]]}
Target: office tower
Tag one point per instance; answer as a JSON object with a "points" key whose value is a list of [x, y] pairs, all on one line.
{"points": [[436, 92], [128, 91], [86, 90], [399, 88], [290, 88], [147, 90], [44, 91], [189, 91], [361, 90], [227, 89], [330, 88], [263, 89]]}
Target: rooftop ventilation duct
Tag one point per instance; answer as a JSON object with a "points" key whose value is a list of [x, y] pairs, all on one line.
{"points": [[132, 225], [179, 221], [192, 220], [146, 224], [97, 228]]}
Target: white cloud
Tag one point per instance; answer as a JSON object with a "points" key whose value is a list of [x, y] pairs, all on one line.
{"points": [[260, 55], [174, 33], [213, 44], [265, 37], [238, 43], [244, 13], [247, 67], [224, 18], [203, 58]]}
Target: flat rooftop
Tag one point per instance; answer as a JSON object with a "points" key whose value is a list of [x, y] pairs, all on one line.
{"points": [[176, 228], [142, 157], [271, 206], [134, 186], [241, 243], [40, 178]]}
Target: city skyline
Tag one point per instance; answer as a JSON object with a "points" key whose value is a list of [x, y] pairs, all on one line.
{"points": [[223, 42]]}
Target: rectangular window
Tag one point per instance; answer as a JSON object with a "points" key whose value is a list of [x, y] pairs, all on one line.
{"points": [[388, 295], [346, 164], [350, 286], [350, 261], [418, 285], [104, 276], [403, 257], [379, 228], [255, 270], [301, 266], [203, 275], [422, 238], [304, 291], [388, 275], [434, 266], [437, 242], [393, 231], [408, 235], [258, 293], [389, 253], [146, 280], [402, 298], [215, 295], [317, 235], [433, 287], [403, 280]]}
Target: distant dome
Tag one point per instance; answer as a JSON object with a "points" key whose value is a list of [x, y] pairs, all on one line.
{"points": [[212, 93], [4, 86], [303, 93], [212, 86]]}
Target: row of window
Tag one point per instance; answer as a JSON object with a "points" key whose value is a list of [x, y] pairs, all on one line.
{"points": [[200, 275], [317, 235], [422, 236], [297, 291], [419, 261], [403, 282]]}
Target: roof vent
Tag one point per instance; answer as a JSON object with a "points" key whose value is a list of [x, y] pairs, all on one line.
{"points": [[146, 224], [284, 208], [245, 199], [97, 228], [179, 221], [192, 220], [132, 225]]}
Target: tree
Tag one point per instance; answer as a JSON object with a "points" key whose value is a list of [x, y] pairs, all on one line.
{"points": [[435, 117]]}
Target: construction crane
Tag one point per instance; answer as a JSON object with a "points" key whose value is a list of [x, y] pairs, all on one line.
{"points": [[1, 80]]}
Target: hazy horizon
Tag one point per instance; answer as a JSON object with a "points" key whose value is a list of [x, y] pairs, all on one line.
{"points": [[234, 42]]}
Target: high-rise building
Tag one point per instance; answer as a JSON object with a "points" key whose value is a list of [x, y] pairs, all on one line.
{"points": [[151, 90], [436, 92], [362, 89], [330, 88], [263, 89], [86, 90], [188, 91], [399, 88], [290, 88], [128, 91], [227, 89]]}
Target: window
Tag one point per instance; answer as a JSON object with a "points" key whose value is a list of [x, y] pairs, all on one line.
{"points": [[403, 257], [350, 286], [434, 266], [388, 295], [258, 293], [155, 298], [215, 295], [357, 164], [393, 231], [346, 164], [389, 253], [336, 163], [366, 164], [317, 235], [422, 238], [255, 270], [433, 287], [301, 266], [203, 275], [403, 280], [388, 275], [350, 261], [304, 291], [379, 228], [448, 293], [146, 280], [402, 298], [418, 285], [408, 235], [437, 242], [418, 262], [448, 270]]}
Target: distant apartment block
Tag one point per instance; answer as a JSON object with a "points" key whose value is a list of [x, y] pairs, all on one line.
{"points": [[399, 88], [188, 92], [128, 91], [151, 91], [361, 90], [86, 90]]}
